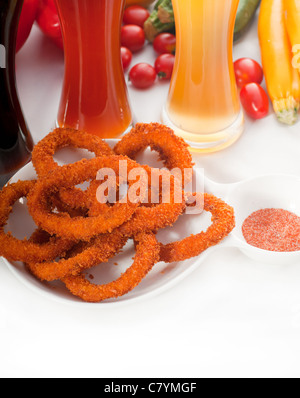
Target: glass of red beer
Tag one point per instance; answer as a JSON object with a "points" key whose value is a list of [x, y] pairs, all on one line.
{"points": [[94, 94]]}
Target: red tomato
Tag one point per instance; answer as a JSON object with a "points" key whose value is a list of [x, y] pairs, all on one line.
{"points": [[136, 15], [48, 21], [132, 37], [126, 57], [27, 19], [164, 65], [165, 43], [255, 100], [247, 71], [142, 75]]}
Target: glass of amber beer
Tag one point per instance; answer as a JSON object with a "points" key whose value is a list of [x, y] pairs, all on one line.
{"points": [[203, 103], [94, 94]]}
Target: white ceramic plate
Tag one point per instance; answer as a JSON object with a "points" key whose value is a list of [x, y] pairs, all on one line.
{"points": [[161, 277]]}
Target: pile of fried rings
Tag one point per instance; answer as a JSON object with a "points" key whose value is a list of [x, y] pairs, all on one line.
{"points": [[75, 232]]}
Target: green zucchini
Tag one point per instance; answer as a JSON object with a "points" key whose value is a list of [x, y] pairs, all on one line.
{"points": [[245, 15], [161, 20], [165, 12], [157, 4]]}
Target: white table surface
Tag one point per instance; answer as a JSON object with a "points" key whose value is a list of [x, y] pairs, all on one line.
{"points": [[232, 317]]}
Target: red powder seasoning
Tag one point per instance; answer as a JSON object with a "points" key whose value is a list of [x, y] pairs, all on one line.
{"points": [[275, 230]]}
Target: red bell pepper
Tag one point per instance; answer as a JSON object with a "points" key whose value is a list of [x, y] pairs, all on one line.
{"points": [[27, 19], [48, 21]]}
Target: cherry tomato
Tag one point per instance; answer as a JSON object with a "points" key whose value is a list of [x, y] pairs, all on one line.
{"points": [[247, 71], [126, 57], [142, 75], [27, 18], [132, 37], [165, 43], [48, 21], [164, 65], [135, 15], [255, 100]]}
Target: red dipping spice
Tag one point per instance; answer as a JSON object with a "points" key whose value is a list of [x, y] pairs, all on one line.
{"points": [[275, 230]]}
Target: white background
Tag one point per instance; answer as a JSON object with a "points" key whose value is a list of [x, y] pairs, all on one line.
{"points": [[232, 317]]}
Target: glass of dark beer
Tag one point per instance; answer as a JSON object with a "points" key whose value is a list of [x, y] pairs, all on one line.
{"points": [[15, 139]]}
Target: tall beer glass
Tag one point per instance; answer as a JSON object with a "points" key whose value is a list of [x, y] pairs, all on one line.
{"points": [[94, 95], [203, 103], [16, 142]]}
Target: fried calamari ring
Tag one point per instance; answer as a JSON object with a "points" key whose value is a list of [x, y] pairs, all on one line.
{"points": [[43, 162], [81, 257], [223, 222], [160, 215], [24, 250], [147, 255], [80, 228], [173, 150]]}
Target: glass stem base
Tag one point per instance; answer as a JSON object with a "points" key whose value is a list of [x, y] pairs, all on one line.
{"points": [[210, 142], [128, 129]]}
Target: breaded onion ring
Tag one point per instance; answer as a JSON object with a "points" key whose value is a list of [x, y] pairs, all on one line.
{"points": [[62, 207], [39, 236], [79, 228], [223, 222], [173, 150], [73, 198], [147, 255], [160, 215], [82, 256], [25, 250], [43, 162], [43, 152]]}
